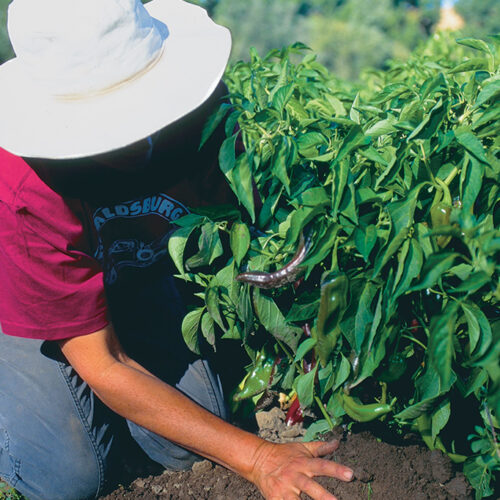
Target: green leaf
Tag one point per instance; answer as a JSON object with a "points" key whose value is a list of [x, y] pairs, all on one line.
{"points": [[305, 387], [471, 143], [280, 164], [339, 176], [440, 417], [245, 312], [240, 178], [490, 90], [213, 122], [282, 97], [387, 252], [475, 43], [322, 247], [210, 247], [471, 180], [365, 239], [212, 303], [430, 385], [430, 124], [473, 283], [412, 266], [341, 372], [441, 343], [354, 139], [472, 64], [273, 320], [190, 325], [191, 220], [354, 113], [176, 246], [309, 142], [313, 197], [373, 349], [435, 266], [227, 154], [208, 328], [489, 115], [402, 211], [298, 221], [305, 308], [382, 127], [282, 79], [304, 348], [269, 207], [416, 410], [239, 240], [364, 315], [479, 476], [372, 154], [316, 429], [479, 329]]}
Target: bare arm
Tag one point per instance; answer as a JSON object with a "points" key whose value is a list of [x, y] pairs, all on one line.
{"points": [[280, 471]]}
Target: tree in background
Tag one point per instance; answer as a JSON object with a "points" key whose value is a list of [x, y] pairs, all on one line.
{"points": [[6, 51], [349, 40], [348, 35], [482, 17], [263, 24]]}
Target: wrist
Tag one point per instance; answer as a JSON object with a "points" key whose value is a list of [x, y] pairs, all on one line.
{"points": [[259, 456]]}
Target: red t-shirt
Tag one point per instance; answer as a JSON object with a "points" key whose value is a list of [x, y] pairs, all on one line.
{"points": [[50, 285]]}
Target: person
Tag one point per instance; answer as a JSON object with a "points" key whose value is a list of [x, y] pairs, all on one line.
{"points": [[102, 113]]}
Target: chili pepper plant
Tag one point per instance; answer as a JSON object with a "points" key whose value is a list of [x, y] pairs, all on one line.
{"points": [[359, 269]]}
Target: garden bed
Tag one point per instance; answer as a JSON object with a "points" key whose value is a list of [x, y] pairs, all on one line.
{"points": [[382, 471]]}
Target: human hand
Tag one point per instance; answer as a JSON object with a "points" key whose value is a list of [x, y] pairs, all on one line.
{"points": [[284, 471]]}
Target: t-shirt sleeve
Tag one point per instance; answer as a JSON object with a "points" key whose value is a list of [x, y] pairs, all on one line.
{"points": [[50, 287]]}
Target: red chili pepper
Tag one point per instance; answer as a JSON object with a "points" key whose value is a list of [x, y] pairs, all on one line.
{"points": [[294, 414], [415, 325]]}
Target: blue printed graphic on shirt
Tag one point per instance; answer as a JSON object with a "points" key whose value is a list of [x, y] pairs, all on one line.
{"points": [[134, 234]]}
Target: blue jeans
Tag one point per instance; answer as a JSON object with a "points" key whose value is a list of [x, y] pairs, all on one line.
{"points": [[59, 442]]}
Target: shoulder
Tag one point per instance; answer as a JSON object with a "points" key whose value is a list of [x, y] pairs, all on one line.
{"points": [[13, 174], [36, 207]]}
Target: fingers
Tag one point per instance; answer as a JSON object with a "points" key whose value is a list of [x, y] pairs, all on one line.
{"points": [[320, 467], [316, 491], [322, 448]]}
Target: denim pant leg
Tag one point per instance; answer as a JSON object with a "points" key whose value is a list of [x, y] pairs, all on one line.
{"points": [[58, 441], [56, 437], [201, 385]]}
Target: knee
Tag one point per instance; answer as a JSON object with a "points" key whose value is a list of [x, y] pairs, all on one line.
{"points": [[50, 474]]}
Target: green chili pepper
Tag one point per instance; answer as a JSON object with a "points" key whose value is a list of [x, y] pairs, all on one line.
{"points": [[333, 303], [259, 379], [440, 216], [364, 413]]}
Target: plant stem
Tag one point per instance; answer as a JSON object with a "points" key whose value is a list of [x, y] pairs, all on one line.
{"points": [[415, 340], [324, 412], [426, 162], [492, 428], [451, 176]]}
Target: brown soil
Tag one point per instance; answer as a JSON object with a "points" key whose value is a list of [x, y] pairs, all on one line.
{"points": [[382, 472]]}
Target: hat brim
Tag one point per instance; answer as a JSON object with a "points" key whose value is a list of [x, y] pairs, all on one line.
{"points": [[195, 55]]}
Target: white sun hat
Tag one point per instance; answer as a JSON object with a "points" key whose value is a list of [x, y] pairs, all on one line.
{"points": [[92, 76]]}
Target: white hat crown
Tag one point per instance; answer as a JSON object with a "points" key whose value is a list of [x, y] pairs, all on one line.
{"points": [[83, 46]]}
